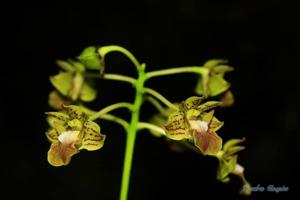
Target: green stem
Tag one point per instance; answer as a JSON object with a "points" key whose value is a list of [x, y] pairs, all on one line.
{"points": [[160, 97], [110, 108], [177, 70], [108, 117], [107, 76], [155, 103], [131, 133], [115, 119], [146, 125], [107, 49], [118, 77]]}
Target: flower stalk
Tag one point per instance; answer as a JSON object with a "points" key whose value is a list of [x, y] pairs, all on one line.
{"points": [[131, 133]]}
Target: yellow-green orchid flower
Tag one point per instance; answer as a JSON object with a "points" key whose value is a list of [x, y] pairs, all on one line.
{"points": [[70, 131], [70, 85], [214, 84], [195, 122], [228, 164]]}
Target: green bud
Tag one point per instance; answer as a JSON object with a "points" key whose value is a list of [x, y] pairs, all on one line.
{"points": [[91, 59]]}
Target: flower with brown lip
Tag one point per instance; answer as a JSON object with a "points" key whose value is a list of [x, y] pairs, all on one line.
{"points": [[196, 122], [70, 131]]}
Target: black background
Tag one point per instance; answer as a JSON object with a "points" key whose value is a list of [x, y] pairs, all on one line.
{"points": [[259, 38]]}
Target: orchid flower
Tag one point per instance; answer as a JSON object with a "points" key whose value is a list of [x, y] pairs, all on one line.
{"points": [[196, 122], [70, 131]]}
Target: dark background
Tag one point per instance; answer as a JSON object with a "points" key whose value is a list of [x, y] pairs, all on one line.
{"points": [[259, 38]]}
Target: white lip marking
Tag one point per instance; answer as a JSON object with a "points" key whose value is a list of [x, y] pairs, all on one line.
{"points": [[199, 125], [68, 137]]}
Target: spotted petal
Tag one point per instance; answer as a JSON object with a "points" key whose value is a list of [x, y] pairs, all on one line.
{"points": [[75, 112], [57, 121], [193, 102], [177, 128], [208, 142], [52, 135], [55, 118], [209, 105], [92, 138]]}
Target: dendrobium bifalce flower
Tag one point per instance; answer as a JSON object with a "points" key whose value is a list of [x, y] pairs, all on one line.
{"points": [[70, 131]]}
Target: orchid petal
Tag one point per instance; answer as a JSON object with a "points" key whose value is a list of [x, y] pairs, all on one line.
{"points": [[62, 82], [208, 142], [57, 121], [193, 102], [88, 93], [66, 66], [52, 135], [214, 62], [220, 70], [75, 112], [177, 128], [217, 85], [227, 99], [209, 105], [60, 154], [232, 143], [55, 118], [215, 124], [77, 83], [225, 168], [92, 138], [207, 117], [56, 100]]}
